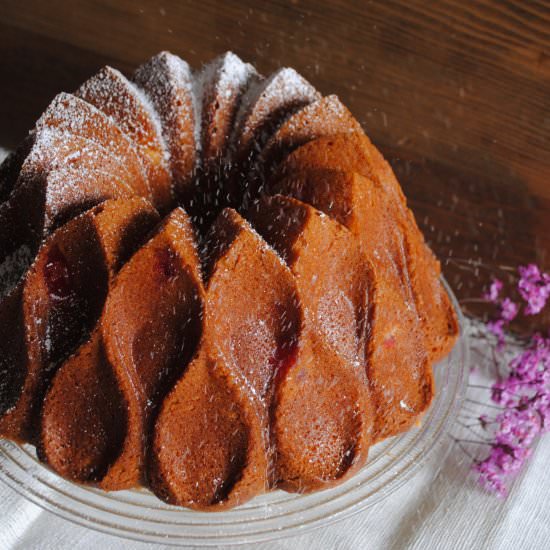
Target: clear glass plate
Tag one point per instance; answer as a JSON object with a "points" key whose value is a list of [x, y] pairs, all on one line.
{"points": [[139, 515]]}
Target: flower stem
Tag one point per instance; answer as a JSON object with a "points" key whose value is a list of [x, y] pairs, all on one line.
{"points": [[484, 404]]}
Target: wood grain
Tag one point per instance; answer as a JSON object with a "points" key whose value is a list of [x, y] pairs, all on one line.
{"points": [[456, 93]]}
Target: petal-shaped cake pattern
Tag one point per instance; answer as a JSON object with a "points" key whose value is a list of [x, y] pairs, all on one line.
{"points": [[52, 189], [142, 346], [58, 301], [321, 440], [252, 325]]}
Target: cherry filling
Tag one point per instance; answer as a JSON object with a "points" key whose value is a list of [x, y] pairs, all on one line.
{"points": [[389, 342], [283, 359], [166, 264], [68, 315], [56, 275]]}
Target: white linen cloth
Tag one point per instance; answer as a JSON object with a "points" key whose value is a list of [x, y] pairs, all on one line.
{"points": [[440, 507]]}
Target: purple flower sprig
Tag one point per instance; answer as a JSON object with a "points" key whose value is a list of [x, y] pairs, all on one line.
{"points": [[523, 394], [534, 288], [508, 311]]}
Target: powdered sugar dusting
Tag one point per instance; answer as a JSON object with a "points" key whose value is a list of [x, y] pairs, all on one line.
{"points": [[167, 81], [221, 84], [111, 92], [168, 75], [234, 75], [154, 116], [73, 173], [323, 117], [70, 191], [277, 96], [75, 116], [327, 114], [54, 149], [211, 73]]}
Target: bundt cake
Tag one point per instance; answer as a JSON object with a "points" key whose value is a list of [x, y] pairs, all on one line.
{"points": [[211, 286]]}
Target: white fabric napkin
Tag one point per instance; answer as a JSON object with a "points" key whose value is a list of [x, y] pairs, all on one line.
{"points": [[441, 507]]}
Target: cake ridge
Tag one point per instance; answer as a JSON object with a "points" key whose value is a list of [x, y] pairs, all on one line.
{"points": [[220, 85], [121, 100], [74, 116], [289, 224], [229, 365], [168, 82]]}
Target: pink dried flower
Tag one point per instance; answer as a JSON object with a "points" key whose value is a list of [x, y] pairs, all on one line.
{"points": [[517, 427], [534, 288], [532, 366], [494, 291], [504, 393], [503, 463], [497, 328], [508, 310], [490, 480], [544, 414]]}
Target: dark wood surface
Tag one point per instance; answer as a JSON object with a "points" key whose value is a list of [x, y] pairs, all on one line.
{"points": [[455, 93]]}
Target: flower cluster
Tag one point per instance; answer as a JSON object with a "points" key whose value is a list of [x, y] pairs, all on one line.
{"points": [[534, 288], [523, 395], [508, 311]]}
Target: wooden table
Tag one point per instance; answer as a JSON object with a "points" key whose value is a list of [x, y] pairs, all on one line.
{"points": [[456, 93]]}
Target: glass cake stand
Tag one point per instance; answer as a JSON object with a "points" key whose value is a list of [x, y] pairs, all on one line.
{"points": [[138, 514]]}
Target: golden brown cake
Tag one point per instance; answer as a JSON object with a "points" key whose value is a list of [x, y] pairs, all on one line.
{"points": [[211, 286]]}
